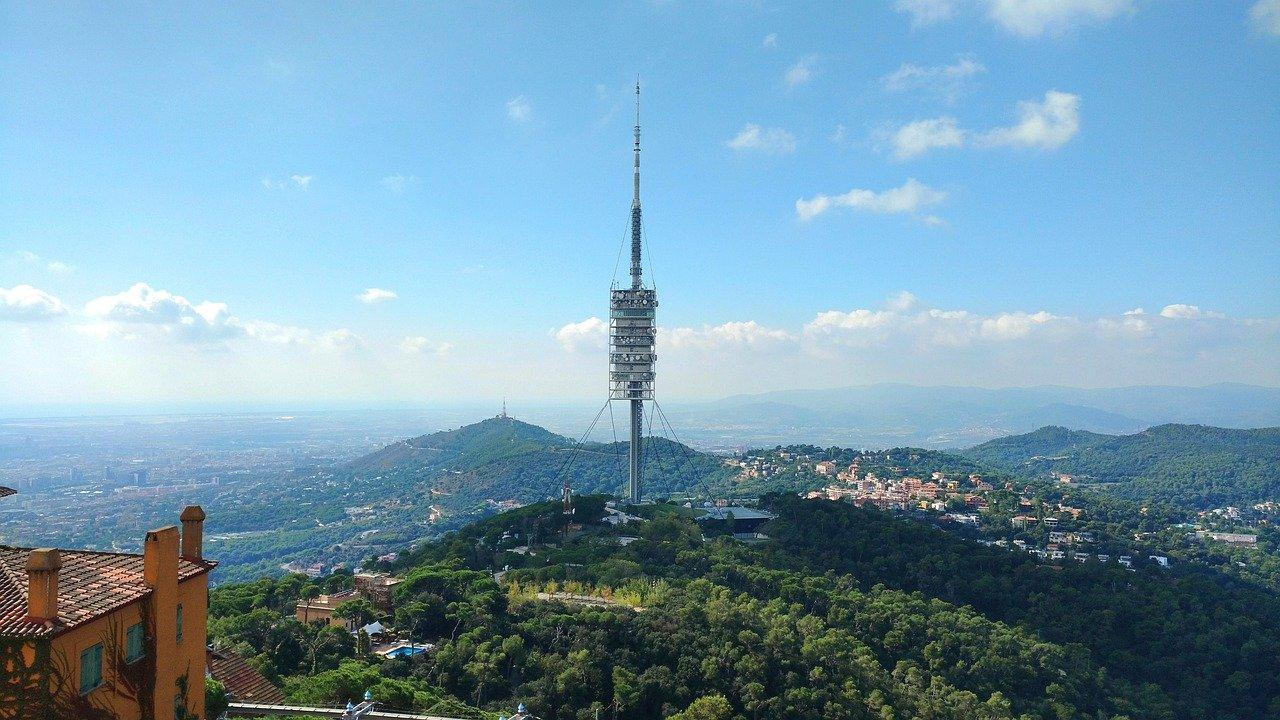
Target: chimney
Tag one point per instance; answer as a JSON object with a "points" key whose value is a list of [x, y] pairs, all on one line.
{"points": [[160, 557], [42, 584], [192, 532]]}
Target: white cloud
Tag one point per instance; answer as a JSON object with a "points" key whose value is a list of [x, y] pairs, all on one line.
{"points": [[902, 302], [586, 335], [1265, 16], [339, 341], [943, 80], [420, 346], [1045, 125], [519, 110], [142, 304], [801, 72], [1013, 325], [1032, 18], [773, 141], [25, 303], [727, 336], [770, 41], [146, 313], [397, 183], [916, 138], [927, 12], [300, 181], [54, 266], [376, 295], [1188, 312], [910, 197]]}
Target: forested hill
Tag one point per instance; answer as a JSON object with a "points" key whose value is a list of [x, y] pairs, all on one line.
{"points": [[1193, 466], [504, 458], [848, 613]]}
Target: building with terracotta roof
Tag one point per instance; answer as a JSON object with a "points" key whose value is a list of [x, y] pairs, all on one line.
{"points": [[91, 635], [243, 683]]}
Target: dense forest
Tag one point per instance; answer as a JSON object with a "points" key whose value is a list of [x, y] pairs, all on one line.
{"points": [[1191, 466], [846, 613]]}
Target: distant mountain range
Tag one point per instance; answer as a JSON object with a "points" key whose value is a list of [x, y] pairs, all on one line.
{"points": [[888, 415], [1191, 466]]}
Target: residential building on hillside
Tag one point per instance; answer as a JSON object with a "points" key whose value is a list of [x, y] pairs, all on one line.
{"points": [[320, 609], [379, 589], [87, 634]]}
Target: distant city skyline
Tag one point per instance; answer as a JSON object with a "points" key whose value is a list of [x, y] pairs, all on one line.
{"points": [[301, 204]]}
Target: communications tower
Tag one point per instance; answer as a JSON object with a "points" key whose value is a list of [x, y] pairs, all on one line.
{"points": [[632, 332]]}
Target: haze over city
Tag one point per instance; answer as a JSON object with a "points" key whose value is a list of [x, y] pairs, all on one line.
{"points": [[308, 204]]}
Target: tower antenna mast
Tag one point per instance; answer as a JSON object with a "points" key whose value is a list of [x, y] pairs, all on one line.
{"points": [[632, 330]]}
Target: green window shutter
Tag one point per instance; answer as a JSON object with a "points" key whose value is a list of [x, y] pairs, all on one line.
{"points": [[90, 668], [133, 643], [179, 623]]}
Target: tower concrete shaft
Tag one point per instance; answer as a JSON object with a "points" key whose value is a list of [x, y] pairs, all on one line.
{"points": [[632, 331]]}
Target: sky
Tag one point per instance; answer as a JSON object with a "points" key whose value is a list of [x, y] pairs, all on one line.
{"points": [[413, 202]]}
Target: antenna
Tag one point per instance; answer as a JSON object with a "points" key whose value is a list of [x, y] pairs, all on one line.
{"points": [[632, 330]]}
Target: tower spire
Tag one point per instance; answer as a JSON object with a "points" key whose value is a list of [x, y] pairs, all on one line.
{"points": [[632, 331], [635, 203]]}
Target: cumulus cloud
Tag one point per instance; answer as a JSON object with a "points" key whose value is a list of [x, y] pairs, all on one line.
{"points": [[1180, 311], [1265, 16], [927, 12], [23, 303], [772, 141], [376, 295], [770, 41], [730, 335], [590, 334], [302, 181], [917, 138], [147, 305], [519, 109], [910, 198], [1046, 125], [1032, 18], [801, 72], [143, 312], [942, 80]]}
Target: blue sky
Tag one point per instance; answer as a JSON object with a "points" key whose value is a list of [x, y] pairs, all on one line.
{"points": [[958, 191]]}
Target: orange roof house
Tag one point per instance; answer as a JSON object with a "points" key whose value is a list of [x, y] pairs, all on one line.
{"points": [[91, 635], [243, 683]]}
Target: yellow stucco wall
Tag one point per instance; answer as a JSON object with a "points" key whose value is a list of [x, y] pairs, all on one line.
{"points": [[172, 659]]}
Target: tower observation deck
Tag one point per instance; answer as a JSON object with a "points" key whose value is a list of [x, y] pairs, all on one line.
{"points": [[632, 332]]}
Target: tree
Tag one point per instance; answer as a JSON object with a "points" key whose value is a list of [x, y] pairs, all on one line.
{"points": [[215, 698], [711, 707], [308, 594], [359, 612]]}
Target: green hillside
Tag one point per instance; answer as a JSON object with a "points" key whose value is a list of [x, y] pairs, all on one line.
{"points": [[847, 613], [504, 458], [1192, 466]]}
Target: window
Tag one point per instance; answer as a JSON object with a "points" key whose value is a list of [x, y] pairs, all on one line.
{"points": [[179, 623], [133, 649], [90, 668]]}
